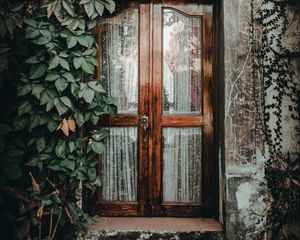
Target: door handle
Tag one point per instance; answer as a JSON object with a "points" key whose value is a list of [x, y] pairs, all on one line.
{"points": [[145, 122], [145, 126]]}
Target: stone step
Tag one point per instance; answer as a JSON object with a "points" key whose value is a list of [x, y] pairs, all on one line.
{"points": [[150, 235], [134, 228]]}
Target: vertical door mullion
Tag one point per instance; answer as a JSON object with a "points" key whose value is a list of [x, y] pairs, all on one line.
{"points": [[143, 186], [155, 162]]}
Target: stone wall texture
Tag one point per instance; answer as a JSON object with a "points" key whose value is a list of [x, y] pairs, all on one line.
{"points": [[248, 200]]}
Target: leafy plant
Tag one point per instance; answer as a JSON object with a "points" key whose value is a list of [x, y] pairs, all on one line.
{"points": [[58, 99]]}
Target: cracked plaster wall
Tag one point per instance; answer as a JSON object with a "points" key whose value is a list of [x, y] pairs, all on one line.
{"points": [[245, 148]]}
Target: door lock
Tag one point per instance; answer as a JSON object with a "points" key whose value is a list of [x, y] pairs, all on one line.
{"points": [[144, 122]]}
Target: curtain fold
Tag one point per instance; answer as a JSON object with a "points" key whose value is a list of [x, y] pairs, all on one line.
{"points": [[118, 166], [182, 165], [182, 45], [119, 59]]}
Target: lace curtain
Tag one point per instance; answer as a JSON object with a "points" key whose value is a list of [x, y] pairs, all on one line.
{"points": [[182, 165], [118, 166], [181, 63], [119, 59]]}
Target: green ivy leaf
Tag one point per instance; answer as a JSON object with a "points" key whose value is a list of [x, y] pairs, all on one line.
{"points": [[52, 125], [37, 89], [68, 164], [32, 60], [34, 121], [64, 63], [78, 61], [69, 77], [41, 40], [68, 6], [92, 173], [71, 42], [79, 118], [89, 8], [110, 5], [24, 107], [23, 89], [95, 85], [99, 7], [66, 101], [31, 33], [71, 146], [88, 68], [60, 107], [31, 22], [82, 40], [87, 94], [37, 71], [40, 144], [60, 149], [53, 62], [20, 123], [84, 1], [49, 105], [61, 84], [94, 119], [34, 160], [52, 76], [98, 147]]}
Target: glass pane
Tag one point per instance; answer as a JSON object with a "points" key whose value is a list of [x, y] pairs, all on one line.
{"points": [[119, 59], [181, 63], [182, 165], [118, 166]]}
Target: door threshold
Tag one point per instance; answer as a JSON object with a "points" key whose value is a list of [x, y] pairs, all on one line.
{"points": [[157, 224]]}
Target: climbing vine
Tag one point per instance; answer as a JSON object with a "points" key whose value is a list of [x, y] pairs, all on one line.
{"points": [[50, 151], [280, 102]]}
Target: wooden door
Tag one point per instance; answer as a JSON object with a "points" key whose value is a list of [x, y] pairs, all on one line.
{"points": [[156, 61]]}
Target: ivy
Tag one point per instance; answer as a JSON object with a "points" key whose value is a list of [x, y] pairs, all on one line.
{"points": [[50, 146], [280, 86]]}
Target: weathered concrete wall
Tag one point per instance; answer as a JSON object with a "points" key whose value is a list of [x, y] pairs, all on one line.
{"points": [[247, 42]]}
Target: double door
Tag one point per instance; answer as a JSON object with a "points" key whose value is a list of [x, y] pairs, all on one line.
{"points": [[156, 62]]}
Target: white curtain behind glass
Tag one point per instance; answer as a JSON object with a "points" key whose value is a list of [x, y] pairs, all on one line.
{"points": [[118, 166], [181, 63], [119, 59], [182, 165]]}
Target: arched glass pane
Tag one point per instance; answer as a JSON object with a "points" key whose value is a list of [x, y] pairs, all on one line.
{"points": [[118, 43], [182, 86]]}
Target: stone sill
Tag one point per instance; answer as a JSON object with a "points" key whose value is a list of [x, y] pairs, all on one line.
{"points": [[158, 224], [131, 228]]}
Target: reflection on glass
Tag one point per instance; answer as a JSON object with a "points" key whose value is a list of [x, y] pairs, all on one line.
{"points": [[181, 63], [182, 165], [119, 59], [118, 166]]}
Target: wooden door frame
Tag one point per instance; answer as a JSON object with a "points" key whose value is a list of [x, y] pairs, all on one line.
{"points": [[149, 188]]}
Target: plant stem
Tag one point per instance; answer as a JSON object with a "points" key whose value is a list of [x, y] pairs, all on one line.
{"points": [[51, 223], [56, 225]]}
